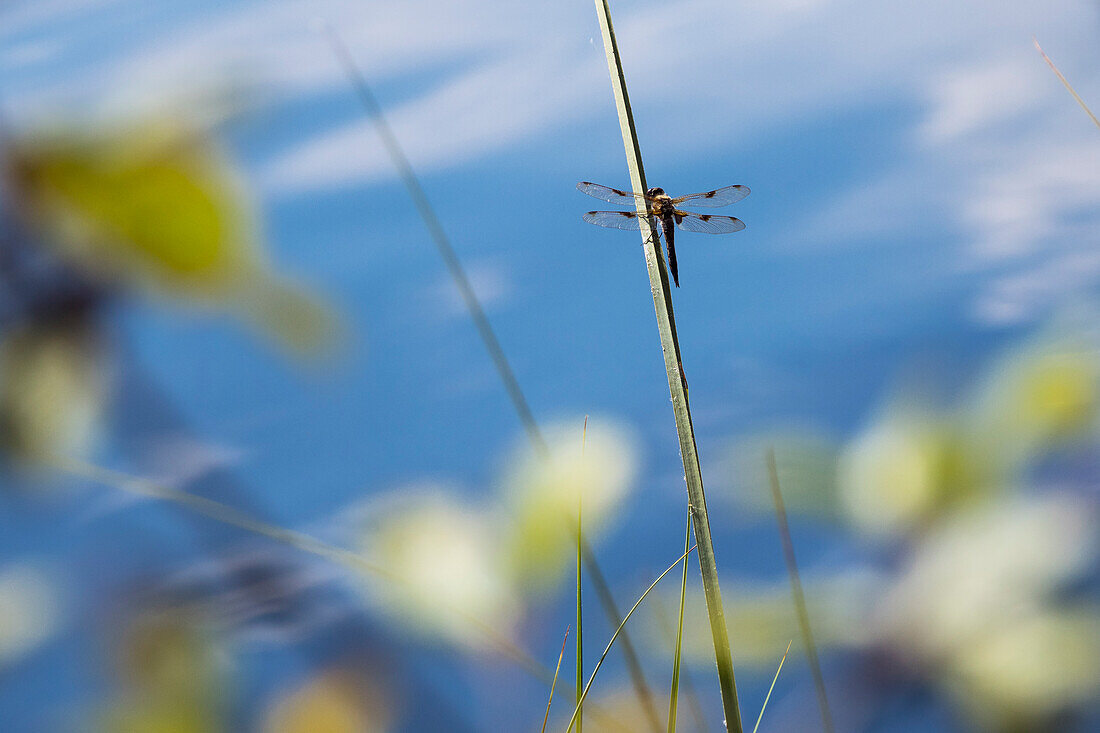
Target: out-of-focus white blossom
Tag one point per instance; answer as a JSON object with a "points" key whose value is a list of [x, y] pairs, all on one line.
{"points": [[975, 605], [542, 494], [444, 571], [897, 472], [29, 609], [1036, 397]]}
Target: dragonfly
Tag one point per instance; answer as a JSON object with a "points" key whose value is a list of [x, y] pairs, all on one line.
{"points": [[665, 209]]}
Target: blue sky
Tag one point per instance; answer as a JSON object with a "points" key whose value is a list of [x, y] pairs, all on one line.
{"points": [[922, 185]]}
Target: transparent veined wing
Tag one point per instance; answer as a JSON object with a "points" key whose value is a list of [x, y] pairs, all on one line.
{"points": [[610, 195], [708, 223], [717, 197], [613, 219]]}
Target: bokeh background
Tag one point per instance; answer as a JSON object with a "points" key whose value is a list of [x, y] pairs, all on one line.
{"points": [[213, 284]]}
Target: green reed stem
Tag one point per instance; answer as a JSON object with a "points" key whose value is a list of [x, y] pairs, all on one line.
{"points": [[677, 382], [674, 693]]}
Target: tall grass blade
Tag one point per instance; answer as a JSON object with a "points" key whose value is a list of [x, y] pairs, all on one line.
{"points": [[614, 636], [677, 382], [687, 687], [674, 693], [1065, 83], [546, 717], [774, 680], [797, 596]]}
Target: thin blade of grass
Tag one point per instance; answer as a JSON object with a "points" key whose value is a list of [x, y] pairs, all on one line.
{"points": [[677, 382], [797, 595], [614, 636], [454, 266], [674, 692], [660, 613], [1065, 83], [774, 680], [580, 610], [546, 717]]}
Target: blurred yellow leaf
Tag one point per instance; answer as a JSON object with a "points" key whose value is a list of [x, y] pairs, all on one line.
{"points": [[542, 493], [156, 205], [330, 703]]}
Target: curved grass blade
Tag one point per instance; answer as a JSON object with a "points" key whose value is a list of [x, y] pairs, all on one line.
{"points": [[797, 595], [614, 636], [674, 693], [1065, 83], [546, 717], [677, 382], [774, 680], [630, 656]]}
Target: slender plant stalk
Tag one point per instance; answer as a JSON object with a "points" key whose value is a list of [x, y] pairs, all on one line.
{"points": [[797, 595], [660, 613], [677, 382], [1065, 83], [674, 693], [580, 609], [614, 636], [476, 311], [774, 680], [546, 717]]}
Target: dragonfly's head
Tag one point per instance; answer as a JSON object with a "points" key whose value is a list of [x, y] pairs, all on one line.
{"points": [[655, 191]]}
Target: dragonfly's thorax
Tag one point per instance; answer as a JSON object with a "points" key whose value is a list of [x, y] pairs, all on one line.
{"points": [[660, 202]]}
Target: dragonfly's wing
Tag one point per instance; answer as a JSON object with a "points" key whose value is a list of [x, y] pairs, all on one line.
{"points": [[708, 223], [610, 195], [614, 219], [717, 197]]}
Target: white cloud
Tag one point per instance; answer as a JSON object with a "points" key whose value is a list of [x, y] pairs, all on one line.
{"points": [[995, 149]]}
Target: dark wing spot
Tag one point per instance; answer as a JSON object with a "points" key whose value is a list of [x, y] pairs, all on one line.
{"points": [[705, 217], [617, 192], [710, 194]]}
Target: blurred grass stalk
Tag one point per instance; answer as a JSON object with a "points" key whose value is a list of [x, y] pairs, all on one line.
{"points": [[677, 383], [797, 597], [492, 344]]}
